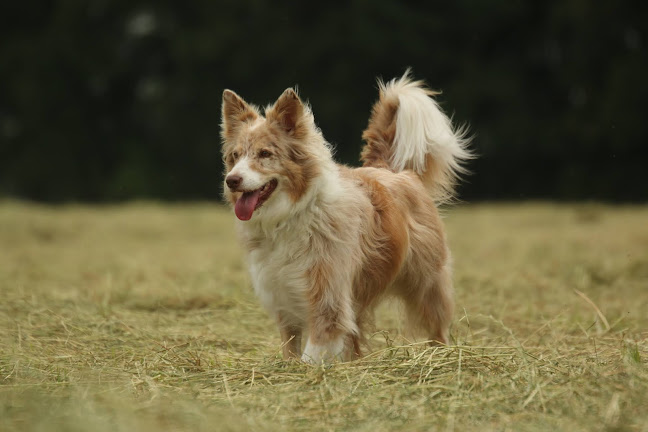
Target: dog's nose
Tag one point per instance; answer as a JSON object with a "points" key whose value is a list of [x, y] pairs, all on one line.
{"points": [[233, 181]]}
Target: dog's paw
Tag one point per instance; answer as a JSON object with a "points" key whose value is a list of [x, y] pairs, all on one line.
{"points": [[327, 353]]}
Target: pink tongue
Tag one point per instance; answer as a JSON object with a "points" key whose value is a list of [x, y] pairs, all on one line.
{"points": [[245, 205]]}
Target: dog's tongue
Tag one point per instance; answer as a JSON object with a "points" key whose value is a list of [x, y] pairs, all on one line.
{"points": [[245, 205]]}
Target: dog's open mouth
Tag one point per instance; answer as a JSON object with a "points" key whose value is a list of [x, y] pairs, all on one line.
{"points": [[252, 200]]}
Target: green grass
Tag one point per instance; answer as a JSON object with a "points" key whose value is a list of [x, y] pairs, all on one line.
{"points": [[141, 318]]}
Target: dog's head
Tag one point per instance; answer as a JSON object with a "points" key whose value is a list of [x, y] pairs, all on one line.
{"points": [[270, 160]]}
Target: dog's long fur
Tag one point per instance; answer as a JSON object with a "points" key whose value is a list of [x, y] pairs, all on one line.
{"points": [[330, 241]]}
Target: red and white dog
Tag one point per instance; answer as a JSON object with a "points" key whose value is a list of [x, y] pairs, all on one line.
{"points": [[326, 242]]}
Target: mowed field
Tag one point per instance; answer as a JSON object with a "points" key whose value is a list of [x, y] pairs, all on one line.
{"points": [[141, 317]]}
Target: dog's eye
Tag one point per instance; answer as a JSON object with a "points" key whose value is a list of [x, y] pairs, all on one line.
{"points": [[264, 154], [235, 155]]}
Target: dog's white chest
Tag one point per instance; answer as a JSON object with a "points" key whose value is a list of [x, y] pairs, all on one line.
{"points": [[279, 276]]}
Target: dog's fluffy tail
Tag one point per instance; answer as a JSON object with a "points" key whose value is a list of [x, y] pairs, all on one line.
{"points": [[408, 131]]}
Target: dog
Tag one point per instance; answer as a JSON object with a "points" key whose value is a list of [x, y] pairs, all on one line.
{"points": [[326, 242]]}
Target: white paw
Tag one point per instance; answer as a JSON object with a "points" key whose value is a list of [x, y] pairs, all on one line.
{"points": [[326, 353]]}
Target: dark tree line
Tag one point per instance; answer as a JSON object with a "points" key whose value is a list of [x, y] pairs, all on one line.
{"points": [[109, 100]]}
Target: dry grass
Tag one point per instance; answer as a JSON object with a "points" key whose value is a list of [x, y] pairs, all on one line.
{"points": [[140, 317]]}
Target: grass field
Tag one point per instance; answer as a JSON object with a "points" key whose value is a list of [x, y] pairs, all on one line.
{"points": [[141, 318]]}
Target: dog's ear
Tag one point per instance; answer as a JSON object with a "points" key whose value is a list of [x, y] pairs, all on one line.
{"points": [[235, 112], [287, 111]]}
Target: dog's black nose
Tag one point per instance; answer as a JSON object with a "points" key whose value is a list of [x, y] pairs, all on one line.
{"points": [[233, 181]]}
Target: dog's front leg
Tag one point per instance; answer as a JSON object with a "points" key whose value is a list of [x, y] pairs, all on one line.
{"points": [[331, 316], [324, 349], [291, 336]]}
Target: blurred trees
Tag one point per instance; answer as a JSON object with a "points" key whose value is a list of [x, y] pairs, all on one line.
{"points": [[105, 100]]}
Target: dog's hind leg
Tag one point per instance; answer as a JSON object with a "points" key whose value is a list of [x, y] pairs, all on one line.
{"points": [[430, 305]]}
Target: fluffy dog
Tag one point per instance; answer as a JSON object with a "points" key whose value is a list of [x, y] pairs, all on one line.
{"points": [[326, 242]]}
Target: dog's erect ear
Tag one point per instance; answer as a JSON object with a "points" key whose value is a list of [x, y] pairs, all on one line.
{"points": [[287, 111], [235, 112]]}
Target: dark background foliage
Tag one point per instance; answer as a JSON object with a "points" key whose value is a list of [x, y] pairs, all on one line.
{"points": [[109, 100]]}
